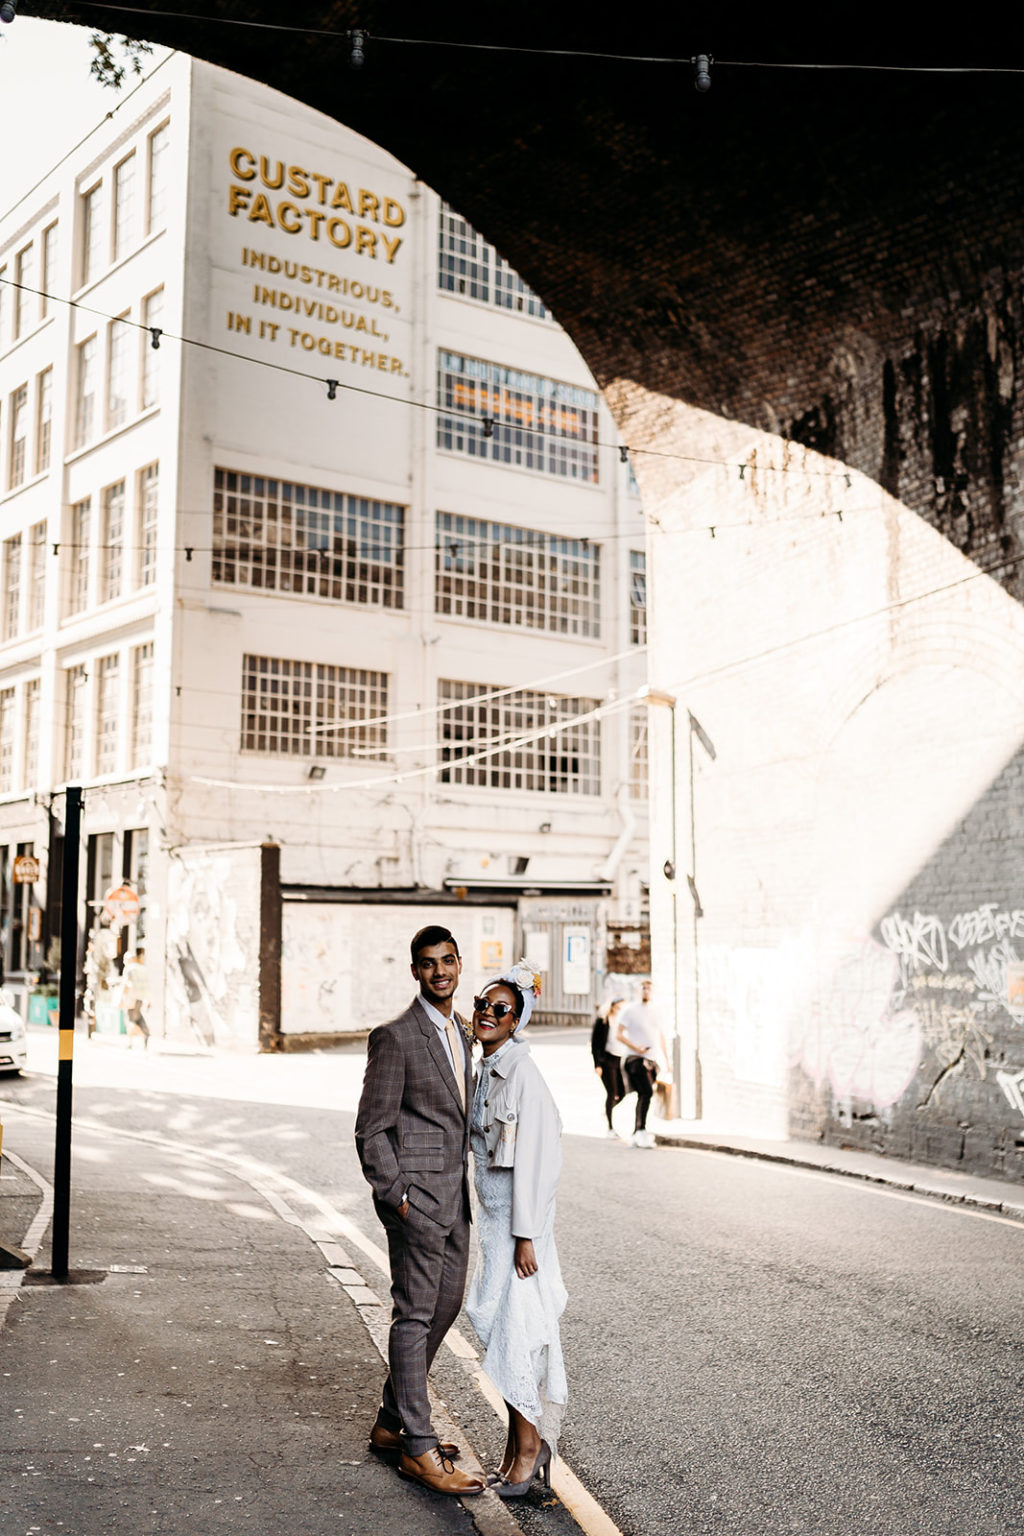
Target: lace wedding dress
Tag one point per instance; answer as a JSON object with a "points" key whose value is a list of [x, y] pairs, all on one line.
{"points": [[515, 1320]]}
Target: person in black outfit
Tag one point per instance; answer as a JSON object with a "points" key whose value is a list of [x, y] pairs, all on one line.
{"points": [[607, 1064]]}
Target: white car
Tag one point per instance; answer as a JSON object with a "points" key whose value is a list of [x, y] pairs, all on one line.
{"points": [[13, 1054]]}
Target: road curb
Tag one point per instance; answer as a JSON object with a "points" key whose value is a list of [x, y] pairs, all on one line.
{"points": [[928, 1184]]}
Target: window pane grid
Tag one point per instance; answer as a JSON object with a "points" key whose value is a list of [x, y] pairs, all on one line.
{"points": [[44, 420], [637, 597], [7, 724], [124, 206], [142, 705], [19, 435], [74, 756], [536, 423], [159, 143], [24, 299], [33, 692], [294, 709], [464, 257], [49, 266], [108, 670], [148, 497], [112, 542], [37, 576], [12, 586], [565, 761], [78, 586], [119, 350], [638, 762], [471, 267], [276, 536], [85, 392], [92, 233], [500, 574], [152, 315]]}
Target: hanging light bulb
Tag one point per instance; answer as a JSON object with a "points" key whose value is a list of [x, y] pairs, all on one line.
{"points": [[702, 63], [8, 10], [357, 38]]}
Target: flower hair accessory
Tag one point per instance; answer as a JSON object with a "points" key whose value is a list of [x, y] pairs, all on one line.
{"points": [[526, 977]]}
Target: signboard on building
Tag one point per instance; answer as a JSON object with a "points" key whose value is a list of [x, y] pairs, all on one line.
{"points": [[26, 869], [576, 961], [121, 905]]}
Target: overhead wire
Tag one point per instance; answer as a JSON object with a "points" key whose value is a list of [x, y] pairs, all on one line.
{"points": [[436, 409], [123, 102], [532, 49]]}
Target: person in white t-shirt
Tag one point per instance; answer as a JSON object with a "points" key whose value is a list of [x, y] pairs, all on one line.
{"points": [[642, 1040]]}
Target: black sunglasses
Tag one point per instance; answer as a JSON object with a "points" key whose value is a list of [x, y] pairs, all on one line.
{"points": [[499, 1010]]}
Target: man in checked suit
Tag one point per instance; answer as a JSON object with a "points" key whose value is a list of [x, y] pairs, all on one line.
{"points": [[412, 1136]]}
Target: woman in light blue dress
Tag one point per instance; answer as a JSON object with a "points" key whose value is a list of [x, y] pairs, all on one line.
{"points": [[517, 1295]]}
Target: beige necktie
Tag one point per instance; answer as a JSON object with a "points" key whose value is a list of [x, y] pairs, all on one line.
{"points": [[454, 1045]]}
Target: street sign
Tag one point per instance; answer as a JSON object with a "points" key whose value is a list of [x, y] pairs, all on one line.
{"points": [[121, 905], [26, 869]]}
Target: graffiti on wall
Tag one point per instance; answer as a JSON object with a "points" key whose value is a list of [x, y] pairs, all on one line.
{"points": [[212, 978], [849, 1028], [976, 945], [960, 976]]}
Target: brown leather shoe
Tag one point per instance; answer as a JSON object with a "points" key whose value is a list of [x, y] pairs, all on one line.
{"points": [[439, 1474], [388, 1443]]}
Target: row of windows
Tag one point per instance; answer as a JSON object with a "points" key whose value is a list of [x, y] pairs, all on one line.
{"points": [[111, 543], [469, 266], [90, 690], [125, 206], [306, 709], [278, 536], [545, 753], [524, 420], [24, 305], [506, 575], [24, 581], [117, 372], [94, 697], [525, 740], [29, 429]]}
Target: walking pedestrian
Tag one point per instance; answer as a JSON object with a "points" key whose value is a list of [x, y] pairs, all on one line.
{"points": [[607, 1058], [640, 1033], [412, 1136], [135, 994]]}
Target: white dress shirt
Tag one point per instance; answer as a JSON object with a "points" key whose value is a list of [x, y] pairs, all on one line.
{"points": [[440, 1023]]}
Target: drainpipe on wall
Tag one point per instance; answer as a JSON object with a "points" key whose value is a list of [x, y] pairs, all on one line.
{"points": [[610, 867]]}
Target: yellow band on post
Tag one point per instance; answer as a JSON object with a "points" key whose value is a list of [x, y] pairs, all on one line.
{"points": [[65, 1044]]}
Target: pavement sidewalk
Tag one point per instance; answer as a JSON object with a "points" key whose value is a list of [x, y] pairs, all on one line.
{"points": [[938, 1183], [206, 1371]]}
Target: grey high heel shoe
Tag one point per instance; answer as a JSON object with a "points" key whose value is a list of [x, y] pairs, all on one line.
{"points": [[506, 1460], [541, 1470]]}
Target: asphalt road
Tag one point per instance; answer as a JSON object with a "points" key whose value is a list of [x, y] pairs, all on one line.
{"points": [[751, 1349]]}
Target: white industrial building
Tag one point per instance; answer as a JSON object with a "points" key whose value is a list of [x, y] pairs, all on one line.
{"points": [[322, 572]]}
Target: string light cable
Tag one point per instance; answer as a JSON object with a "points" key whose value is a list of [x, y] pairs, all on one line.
{"points": [[628, 701], [157, 334], [559, 53], [531, 685], [550, 731]]}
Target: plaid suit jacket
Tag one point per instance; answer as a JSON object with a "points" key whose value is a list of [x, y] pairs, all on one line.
{"points": [[412, 1131]]}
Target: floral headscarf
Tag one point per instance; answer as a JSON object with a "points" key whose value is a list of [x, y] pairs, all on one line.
{"points": [[526, 977]]}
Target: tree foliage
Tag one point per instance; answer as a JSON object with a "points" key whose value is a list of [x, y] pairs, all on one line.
{"points": [[114, 57]]}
